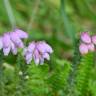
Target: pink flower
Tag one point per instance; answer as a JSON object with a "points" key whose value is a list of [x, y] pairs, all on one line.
{"points": [[6, 40], [83, 48], [87, 43], [38, 51], [12, 40], [85, 37], [6, 43]]}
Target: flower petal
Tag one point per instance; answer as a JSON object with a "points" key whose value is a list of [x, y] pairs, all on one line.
{"points": [[44, 47], [48, 48], [46, 56], [6, 40], [21, 33], [16, 40], [94, 39], [91, 47], [83, 48], [31, 47], [6, 51], [13, 48], [85, 37], [36, 56], [28, 58]]}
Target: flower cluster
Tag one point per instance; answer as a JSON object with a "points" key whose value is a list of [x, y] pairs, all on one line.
{"points": [[38, 51], [87, 43], [11, 41]]}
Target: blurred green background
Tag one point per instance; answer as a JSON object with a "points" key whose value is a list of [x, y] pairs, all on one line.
{"points": [[57, 21]]}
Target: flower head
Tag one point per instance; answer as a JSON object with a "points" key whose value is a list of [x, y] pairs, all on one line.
{"points": [[37, 51], [10, 41], [87, 43]]}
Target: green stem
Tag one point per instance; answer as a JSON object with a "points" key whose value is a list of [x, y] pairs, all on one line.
{"points": [[10, 13], [33, 16], [20, 79], [75, 62], [1, 76], [67, 24], [83, 75]]}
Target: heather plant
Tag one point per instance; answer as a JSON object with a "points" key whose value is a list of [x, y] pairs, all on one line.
{"points": [[41, 57]]}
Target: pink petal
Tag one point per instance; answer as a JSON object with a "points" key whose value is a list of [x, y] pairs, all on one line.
{"points": [[13, 48], [36, 56], [21, 33], [46, 56], [31, 47], [28, 58], [85, 37], [83, 48], [20, 44], [28, 61], [6, 40], [44, 47], [6, 51], [16, 40], [91, 47], [40, 47], [48, 48], [94, 39]]}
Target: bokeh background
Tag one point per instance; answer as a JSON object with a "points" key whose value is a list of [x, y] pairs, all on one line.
{"points": [[58, 22], [54, 21]]}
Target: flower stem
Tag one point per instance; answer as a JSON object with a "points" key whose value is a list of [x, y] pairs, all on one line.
{"points": [[1, 76], [10, 13], [20, 81], [33, 15]]}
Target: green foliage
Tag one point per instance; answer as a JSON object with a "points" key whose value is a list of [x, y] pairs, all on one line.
{"points": [[76, 60], [20, 82], [68, 26], [59, 25], [59, 75], [2, 87], [83, 75], [43, 81], [36, 84], [92, 81]]}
